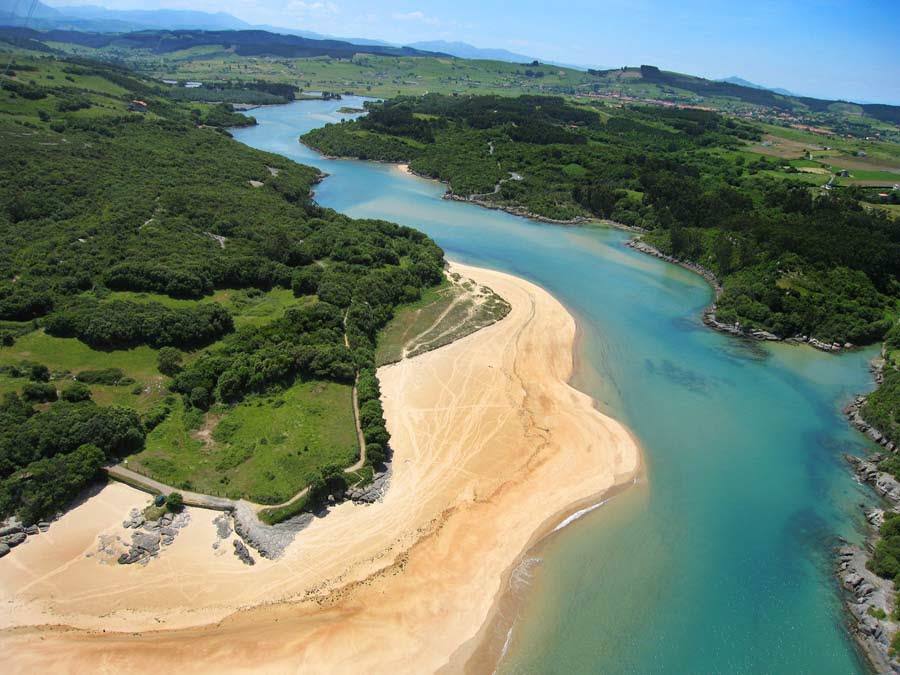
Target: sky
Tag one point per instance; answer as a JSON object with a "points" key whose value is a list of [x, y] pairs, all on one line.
{"points": [[846, 49]]}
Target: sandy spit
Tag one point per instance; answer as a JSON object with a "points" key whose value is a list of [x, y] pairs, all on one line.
{"points": [[490, 445]]}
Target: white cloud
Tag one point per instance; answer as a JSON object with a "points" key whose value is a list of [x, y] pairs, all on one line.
{"points": [[417, 16]]}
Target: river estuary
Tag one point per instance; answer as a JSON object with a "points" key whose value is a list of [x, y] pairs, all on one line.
{"points": [[720, 560]]}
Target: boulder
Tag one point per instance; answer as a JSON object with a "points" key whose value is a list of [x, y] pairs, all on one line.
{"points": [[146, 541], [11, 529], [4, 549], [241, 551], [15, 539], [223, 526]]}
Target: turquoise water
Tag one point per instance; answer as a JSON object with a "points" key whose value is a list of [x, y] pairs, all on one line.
{"points": [[720, 560]]}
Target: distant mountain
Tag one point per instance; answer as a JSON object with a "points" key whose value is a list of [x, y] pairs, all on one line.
{"points": [[169, 19], [740, 81], [241, 42], [92, 18], [101, 20], [467, 51]]}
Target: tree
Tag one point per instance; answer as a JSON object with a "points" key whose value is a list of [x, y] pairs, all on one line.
{"points": [[76, 392], [168, 361], [40, 392], [175, 502], [723, 250]]}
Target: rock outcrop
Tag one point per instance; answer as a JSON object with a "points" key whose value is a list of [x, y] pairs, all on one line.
{"points": [[372, 492], [242, 553], [268, 540], [870, 602], [709, 314], [13, 533], [151, 535], [854, 411]]}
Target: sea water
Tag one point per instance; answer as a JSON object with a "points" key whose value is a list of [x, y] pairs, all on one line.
{"points": [[720, 559]]}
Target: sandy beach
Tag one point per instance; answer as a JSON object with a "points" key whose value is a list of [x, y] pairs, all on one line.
{"points": [[492, 448]]}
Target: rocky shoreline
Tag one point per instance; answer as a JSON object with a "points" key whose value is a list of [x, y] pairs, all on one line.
{"points": [[854, 410], [512, 210], [13, 533], [709, 314], [870, 600], [270, 541]]}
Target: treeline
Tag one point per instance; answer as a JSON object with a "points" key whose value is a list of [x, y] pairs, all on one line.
{"points": [[47, 458], [792, 263], [120, 324], [236, 91]]}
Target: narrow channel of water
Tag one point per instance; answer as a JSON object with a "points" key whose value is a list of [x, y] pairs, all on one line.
{"points": [[720, 561]]}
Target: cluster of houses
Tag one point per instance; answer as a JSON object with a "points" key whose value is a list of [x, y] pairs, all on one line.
{"points": [[187, 85]]}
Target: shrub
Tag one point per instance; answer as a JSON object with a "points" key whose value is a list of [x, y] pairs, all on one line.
{"points": [[40, 392], [175, 502], [76, 392], [110, 376]]}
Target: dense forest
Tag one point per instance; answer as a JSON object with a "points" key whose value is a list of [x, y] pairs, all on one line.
{"points": [[99, 201], [794, 262]]}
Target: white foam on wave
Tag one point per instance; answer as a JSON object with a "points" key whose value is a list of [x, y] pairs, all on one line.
{"points": [[579, 514], [506, 643], [583, 512], [523, 573]]}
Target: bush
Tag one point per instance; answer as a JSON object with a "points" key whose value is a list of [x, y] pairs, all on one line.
{"points": [[39, 392], [110, 376], [175, 502], [157, 414], [199, 398], [375, 454], [76, 392], [38, 372]]}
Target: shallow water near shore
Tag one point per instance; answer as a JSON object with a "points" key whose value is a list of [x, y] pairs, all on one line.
{"points": [[720, 561]]}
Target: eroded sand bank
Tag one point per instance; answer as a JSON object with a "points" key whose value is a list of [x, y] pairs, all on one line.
{"points": [[490, 445]]}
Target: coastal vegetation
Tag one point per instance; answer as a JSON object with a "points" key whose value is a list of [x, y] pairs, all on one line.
{"points": [[173, 297], [442, 315], [793, 261]]}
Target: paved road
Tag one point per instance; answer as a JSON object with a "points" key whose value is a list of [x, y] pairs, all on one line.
{"points": [[133, 478]]}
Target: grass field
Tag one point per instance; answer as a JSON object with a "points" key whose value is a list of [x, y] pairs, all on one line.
{"points": [[453, 310], [262, 449], [66, 357], [248, 307]]}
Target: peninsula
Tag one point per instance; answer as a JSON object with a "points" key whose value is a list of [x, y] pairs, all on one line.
{"points": [[492, 449]]}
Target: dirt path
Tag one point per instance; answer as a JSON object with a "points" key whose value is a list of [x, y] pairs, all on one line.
{"points": [[414, 342], [360, 438]]}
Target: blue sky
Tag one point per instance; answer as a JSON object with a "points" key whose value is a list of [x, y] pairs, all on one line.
{"points": [[829, 48]]}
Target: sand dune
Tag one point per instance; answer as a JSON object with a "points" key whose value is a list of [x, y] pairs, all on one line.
{"points": [[492, 447]]}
